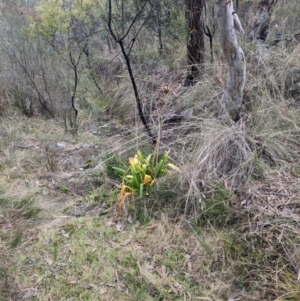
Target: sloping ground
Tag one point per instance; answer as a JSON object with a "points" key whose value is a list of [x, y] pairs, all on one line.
{"points": [[238, 249], [226, 228], [239, 185], [92, 259], [39, 177]]}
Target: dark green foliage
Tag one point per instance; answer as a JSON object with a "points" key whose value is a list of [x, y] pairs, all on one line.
{"points": [[26, 208], [16, 239], [111, 163], [217, 212]]}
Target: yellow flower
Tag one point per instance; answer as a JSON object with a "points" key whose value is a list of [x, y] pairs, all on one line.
{"points": [[134, 161], [147, 180]]}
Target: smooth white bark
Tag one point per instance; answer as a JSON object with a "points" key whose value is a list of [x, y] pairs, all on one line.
{"points": [[229, 27]]}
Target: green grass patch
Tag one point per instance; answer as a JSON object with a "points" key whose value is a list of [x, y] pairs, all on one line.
{"points": [[93, 259], [216, 211]]}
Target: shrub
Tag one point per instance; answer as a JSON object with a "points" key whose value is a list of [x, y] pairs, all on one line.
{"points": [[141, 174]]}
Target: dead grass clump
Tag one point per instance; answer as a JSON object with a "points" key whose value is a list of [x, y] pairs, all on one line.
{"points": [[51, 156], [5, 106], [272, 227], [275, 132], [214, 262], [17, 217], [220, 153]]}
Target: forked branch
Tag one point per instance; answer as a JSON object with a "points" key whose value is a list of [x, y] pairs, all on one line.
{"points": [[126, 50]]}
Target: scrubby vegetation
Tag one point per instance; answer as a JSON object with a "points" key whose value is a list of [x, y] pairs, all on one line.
{"points": [[221, 224]]}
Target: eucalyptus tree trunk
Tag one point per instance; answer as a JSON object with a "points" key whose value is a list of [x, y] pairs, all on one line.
{"points": [[195, 45], [229, 27], [260, 24]]}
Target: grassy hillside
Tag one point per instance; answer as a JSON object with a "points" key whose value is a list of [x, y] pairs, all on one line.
{"points": [[223, 227]]}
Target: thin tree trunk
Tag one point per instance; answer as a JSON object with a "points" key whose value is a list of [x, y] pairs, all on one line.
{"points": [[195, 46], [229, 26], [126, 50]]}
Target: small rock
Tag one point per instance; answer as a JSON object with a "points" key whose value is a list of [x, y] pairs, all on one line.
{"points": [[62, 144]]}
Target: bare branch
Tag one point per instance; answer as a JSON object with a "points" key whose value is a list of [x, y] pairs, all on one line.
{"points": [[126, 56], [135, 20]]}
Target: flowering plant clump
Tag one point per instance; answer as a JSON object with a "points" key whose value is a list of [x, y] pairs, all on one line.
{"points": [[141, 174]]}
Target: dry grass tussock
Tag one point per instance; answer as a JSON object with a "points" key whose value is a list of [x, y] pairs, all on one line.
{"points": [[266, 134]]}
